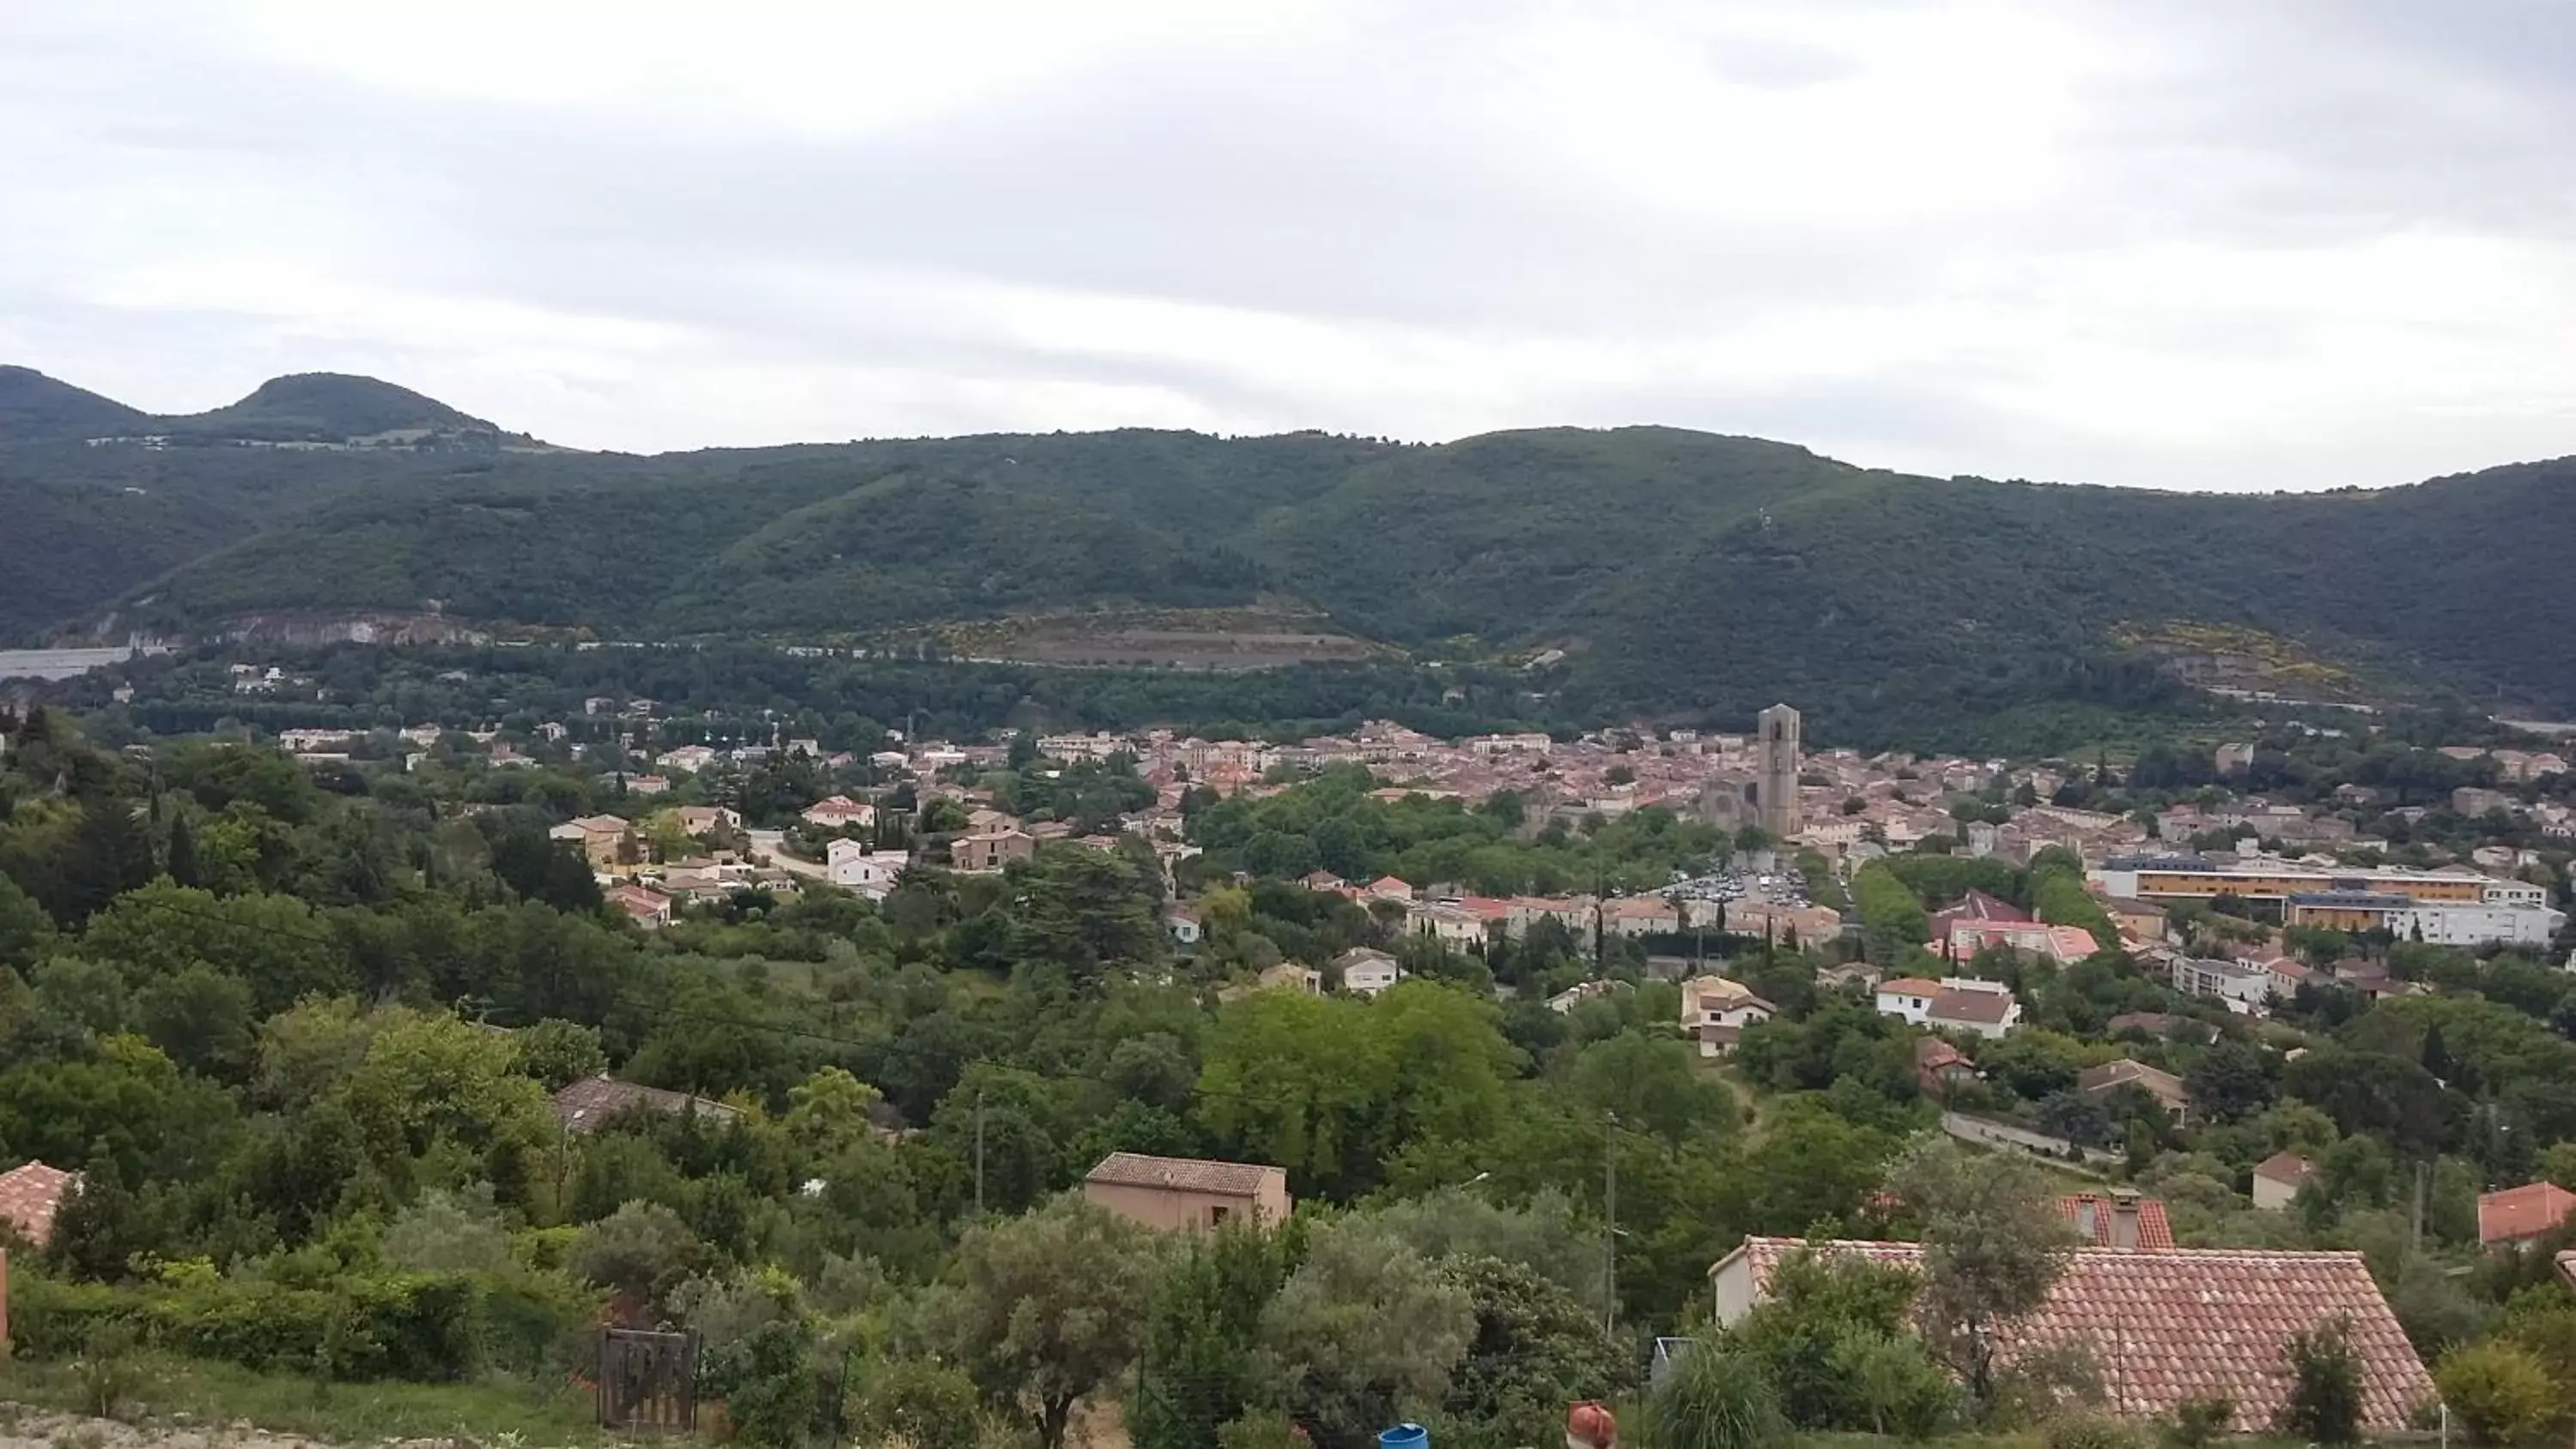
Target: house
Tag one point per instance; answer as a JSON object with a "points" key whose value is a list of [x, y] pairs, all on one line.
{"points": [[700, 821], [1289, 976], [990, 850], [2118, 1219], [1583, 991], [1957, 1003], [31, 1194], [643, 905], [587, 1105], [647, 784], [1716, 1011], [1939, 1066], [2517, 1215], [2156, 1082], [2278, 1178], [2151, 1322], [1389, 888], [855, 865], [1187, 1192], [1183, 923], [2065, 945], [1367, 972], [1641, 916], [2135, 919], [838, 813], [687, 759], [604, 839], [1322, 881]]}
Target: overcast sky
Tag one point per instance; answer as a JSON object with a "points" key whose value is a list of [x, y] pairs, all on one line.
{"points": [[2203, 244]]}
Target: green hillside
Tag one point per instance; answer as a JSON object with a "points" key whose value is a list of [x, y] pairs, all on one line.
{"points": [[326, 407], [1680, 572], [37, 408]]}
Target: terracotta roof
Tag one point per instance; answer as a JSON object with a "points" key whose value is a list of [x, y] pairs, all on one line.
{"points": [[2287, 1168], [1976, 905], [2198, 1323], [30, 1196], [1931, 1053], [584, 1105], [1910, 986], [2095, 1212], [2518, 1213], [1189, 1174]]}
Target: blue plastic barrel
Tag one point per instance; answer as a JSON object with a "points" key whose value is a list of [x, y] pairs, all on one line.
{"points": [[1404, 1436]]}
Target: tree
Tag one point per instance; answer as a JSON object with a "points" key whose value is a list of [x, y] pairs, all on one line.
{"points": [[559, 1053], [1824, 1316], [2324, 1405], [2231, 1082], [1201, 1328], [1044, 1308], [1652, 1084], [1994, 1244], [1536, 1349], [827, 1113], [1364, 1334], [2500, 1389]]}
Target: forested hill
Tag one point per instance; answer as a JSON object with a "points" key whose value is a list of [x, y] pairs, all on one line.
{"points": [[1678, 571]]}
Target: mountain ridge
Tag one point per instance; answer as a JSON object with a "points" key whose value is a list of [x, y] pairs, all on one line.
{"points": [[1680, 572]]}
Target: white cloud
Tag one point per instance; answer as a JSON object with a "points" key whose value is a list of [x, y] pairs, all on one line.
{"points": [[2308, 245]]}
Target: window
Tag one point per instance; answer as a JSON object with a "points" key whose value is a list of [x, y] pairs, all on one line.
{"points": [[1218, 1215]]}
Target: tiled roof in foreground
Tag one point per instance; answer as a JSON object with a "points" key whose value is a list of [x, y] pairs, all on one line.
{"points": [[2197, 1323]]}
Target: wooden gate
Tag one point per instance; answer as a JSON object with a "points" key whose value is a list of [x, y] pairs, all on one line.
{"points": [[648, 1382]]}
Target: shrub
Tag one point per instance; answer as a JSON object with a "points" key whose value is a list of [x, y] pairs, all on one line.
{"points": [[2199, 1422], [106, 1370], [2500, 1390], [927, 1405], [2087, 1431], [1715, 1399], [642, 1251], [1261, 1429], [2324, 1405]]}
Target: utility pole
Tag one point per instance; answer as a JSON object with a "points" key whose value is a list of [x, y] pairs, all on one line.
{"points": [[979, 1152], [1610, 1222]]}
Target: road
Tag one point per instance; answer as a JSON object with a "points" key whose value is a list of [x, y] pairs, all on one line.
{"points": [[771, 845], [2004, 1134]]}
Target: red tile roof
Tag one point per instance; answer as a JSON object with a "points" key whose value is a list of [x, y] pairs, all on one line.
{"points": [[2197, 1323], [2096, 1209], [2286, 1168], [2518, 1214], [1189, 1174], [31, 1195], [1976, 905]]}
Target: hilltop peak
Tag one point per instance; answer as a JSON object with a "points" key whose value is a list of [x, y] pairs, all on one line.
{"points": [[332, 407], [35, 407]]}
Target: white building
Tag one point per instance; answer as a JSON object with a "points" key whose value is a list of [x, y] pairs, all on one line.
{"points": [[1366, 972], [1955, 1003], [2244, 986], [859, 866], [2479, 925], [1716, 1010]]}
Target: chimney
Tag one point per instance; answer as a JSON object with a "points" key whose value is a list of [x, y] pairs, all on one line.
{"points": [[2124, 1217]]}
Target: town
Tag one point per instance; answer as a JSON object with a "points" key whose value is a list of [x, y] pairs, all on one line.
{"points": [[2233, 1009]]}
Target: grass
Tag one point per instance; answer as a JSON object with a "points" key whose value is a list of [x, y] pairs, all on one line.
{"points": [[541, 1414]]}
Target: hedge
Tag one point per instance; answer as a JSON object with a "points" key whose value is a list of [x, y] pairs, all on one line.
{"points": [[425, 1327]]}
